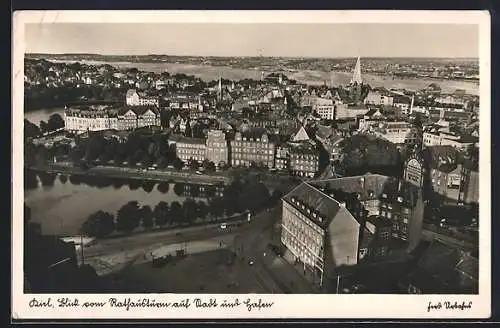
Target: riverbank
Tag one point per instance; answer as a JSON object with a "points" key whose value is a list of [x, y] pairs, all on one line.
{"points": [[134, 173]]}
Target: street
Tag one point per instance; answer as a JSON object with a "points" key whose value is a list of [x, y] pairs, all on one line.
{"points": [[268, 271], [135, 173]]}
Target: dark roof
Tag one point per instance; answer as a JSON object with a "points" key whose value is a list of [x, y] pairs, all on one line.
{"points": [[379, 221], [369, 186], [447, 168], [138, 110], [187, 140], [314, 200], [373, 186], [442, 268], [254, 133], [398, 99]]}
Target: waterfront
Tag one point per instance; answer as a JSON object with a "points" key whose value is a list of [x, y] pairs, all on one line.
{"points": [[312, 77], [62, 208]]}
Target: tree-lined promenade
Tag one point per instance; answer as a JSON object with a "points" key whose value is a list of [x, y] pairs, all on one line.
{"points": [[168, 175], [240, 197], [204, 203]]}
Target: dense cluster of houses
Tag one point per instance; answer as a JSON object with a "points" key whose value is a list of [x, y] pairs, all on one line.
{"points": [[326, 224]]}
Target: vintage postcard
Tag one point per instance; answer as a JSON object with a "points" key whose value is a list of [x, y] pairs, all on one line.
{"points": [[270, 164]]}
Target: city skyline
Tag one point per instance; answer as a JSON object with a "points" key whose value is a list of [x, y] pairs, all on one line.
{"points": [[268, 40]]}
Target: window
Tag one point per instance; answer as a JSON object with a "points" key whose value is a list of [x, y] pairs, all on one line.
{"points": [[363, 252]]}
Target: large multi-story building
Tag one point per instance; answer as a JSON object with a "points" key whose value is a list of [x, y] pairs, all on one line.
{"points": [[136, 98], [397, 132], [89, 119], [252, 146], [456, 183], [304, 160], [282, 160], [217, 150], [324, 223], [325, 108], [137, 117], [441, 138], [379, 98], [191, 149]]}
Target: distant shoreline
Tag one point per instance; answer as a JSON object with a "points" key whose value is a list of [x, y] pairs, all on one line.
{"points": [[145, 56]]}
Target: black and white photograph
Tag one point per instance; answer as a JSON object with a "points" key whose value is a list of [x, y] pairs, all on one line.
{"points": [[238, 154]]}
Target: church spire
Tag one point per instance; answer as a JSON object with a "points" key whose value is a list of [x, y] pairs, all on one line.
{"points": [[356, 75]]}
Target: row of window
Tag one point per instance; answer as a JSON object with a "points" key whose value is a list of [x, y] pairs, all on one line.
{"points": [[306, 254], [252, 151], [292, 213], [300, 229]]}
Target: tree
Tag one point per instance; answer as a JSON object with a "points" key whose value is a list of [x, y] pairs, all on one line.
{"points": [[209, 166], [148, 186], [30, 179], [163, 187], [128, 217], [178, 164], [55, 122], [99, 224], [193, 164], [96, 145], [47, 179], [216, 207], [162, 162], [146, 217], [31, 130], [63, 178], [44, 128], [189, 210], [175, 212], [161, 213], [201, 210], [179, 189]]}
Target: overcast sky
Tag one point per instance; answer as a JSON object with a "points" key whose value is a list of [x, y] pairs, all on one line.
{"points": [[293, 40]]}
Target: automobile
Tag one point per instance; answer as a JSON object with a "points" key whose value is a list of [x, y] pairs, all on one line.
{"points": [[223, 225], [198, 172], [250, 262]]}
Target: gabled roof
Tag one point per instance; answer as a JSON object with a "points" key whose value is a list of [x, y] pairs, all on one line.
{"points": [[301, 135]]}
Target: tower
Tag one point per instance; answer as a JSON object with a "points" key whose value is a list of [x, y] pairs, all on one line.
{"points": [[414, 170], [219, 90], [280, 80], [411, 104], [356, 86], [356, 75]]}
